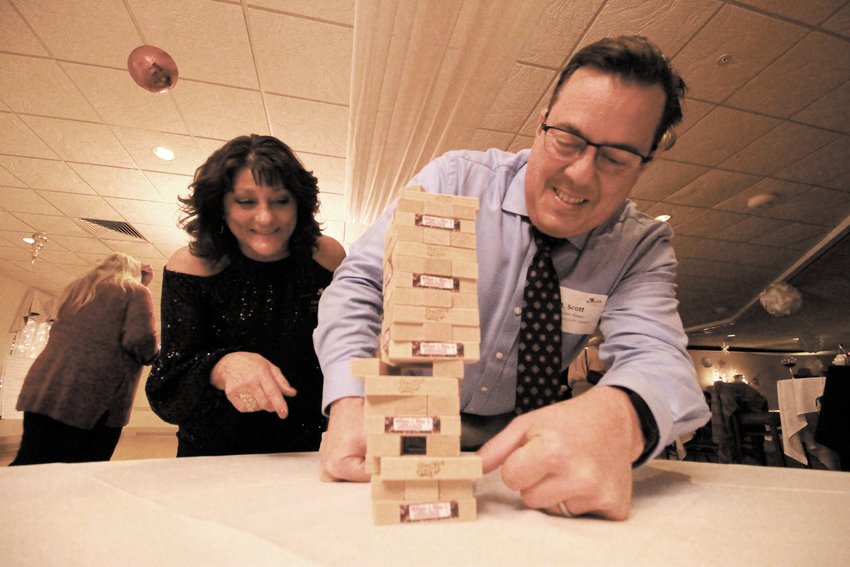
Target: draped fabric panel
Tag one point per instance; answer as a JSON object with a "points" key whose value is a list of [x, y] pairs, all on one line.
{"points": [[424, 74], [36, 305]]}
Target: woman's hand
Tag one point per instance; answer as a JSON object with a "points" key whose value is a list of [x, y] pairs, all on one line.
{"points": [[252, 383], [147, 274]]}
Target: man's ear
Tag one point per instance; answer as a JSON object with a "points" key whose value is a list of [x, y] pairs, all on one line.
{"points": [[541, 118]]}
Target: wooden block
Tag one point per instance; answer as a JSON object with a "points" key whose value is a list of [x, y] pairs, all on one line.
{"points": [[395, 405], [432, 251], [456, 489], [465, 270], [383, 445], [442, 446], [421, 490], [420, 265], [448, 369], [400, 313], [412, 386], [406, 233], [465, 211], [423, 280], [399, 352], [415, 467], [399, 512], [466, 334], [442, 405], [391, 489], [438, 237], [418, 193], [462, 240], [410, 206], [467, 226], [411, 425], [410, 296], [372, 465], [465, 301], [362, 367], [438, 208]]}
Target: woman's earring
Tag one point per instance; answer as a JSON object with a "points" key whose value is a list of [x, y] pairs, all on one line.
{"points": [[221, 228]]}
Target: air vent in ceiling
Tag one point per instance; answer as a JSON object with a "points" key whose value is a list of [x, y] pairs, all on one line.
{"points": [[110, 229]]}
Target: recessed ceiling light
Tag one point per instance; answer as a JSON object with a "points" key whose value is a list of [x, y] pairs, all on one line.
{"points": [[762, 200], [163, 153], [730, 336], [28, 239], [663, 218]]}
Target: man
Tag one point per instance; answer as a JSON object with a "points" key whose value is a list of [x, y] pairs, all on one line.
{"points": [[614, 102]]}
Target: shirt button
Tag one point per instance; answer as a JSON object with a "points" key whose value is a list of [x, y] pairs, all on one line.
{"points": [[517, 311], [485, 389], [500, 355]]}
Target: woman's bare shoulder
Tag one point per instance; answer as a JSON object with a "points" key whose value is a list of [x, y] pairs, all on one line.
{"points": [[329, 253], [184, 262]]}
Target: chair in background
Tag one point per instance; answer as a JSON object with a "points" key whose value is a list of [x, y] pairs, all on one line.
{"points": [[750, 430]]}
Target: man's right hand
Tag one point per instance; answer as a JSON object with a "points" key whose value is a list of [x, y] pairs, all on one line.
{"points": [[343, 451]]}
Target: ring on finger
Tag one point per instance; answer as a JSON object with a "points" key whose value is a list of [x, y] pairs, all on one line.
{"points": [[248, 402], [562, 508]]}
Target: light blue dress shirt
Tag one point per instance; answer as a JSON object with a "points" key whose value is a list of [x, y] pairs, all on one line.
{"points": [[629, 259]]}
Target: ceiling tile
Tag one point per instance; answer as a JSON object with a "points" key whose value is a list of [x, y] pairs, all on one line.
{"points": [[169, 235], [290, 50], [214, 111], [784, 191], [117, 181], [751, 229], [678, 213], [840, 181], [169, 185], [339, 11], [60, 257], [482, 140], [817, 206], [558, 30], [118, 100], [332, 207], [17, 138], [670, 25], [145, 211], [84, 206], [208, 40], [80, 141], [140, 143], [53, 225], [831, 111], [720, 134], [45, 174], [811, 12], [308, 126], [83, 244], [9, 180], [839, 22], [57, 97], [757, 255], [521, 143], [88, 31], [17, 200], [519, 95], [751, 40], [692, 112], [664, 177], [12, 222], [134, 248], [808, 71], [708, 223], [823, 166], [14, 253], [704, 248], [330, 171], [711, 188], [15, 35], [792, 235], [785, 144]]}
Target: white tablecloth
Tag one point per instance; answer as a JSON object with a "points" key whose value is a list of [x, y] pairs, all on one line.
{"points": [[796, 398], [273, 510]]}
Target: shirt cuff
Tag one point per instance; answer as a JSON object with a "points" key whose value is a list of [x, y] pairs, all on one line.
{"points": [[648, 425]]}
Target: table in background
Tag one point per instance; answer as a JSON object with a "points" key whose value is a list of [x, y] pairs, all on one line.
{"points": [[273, 510], [797, 397]]}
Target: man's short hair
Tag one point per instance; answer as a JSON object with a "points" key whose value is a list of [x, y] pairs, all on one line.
{"points": [[637, 59]]}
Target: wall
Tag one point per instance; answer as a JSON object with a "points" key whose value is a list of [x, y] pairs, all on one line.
{"points": [[11, 295], [761, 371]]}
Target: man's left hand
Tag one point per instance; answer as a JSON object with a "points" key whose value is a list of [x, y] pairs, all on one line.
{"points": [[578, 452]]}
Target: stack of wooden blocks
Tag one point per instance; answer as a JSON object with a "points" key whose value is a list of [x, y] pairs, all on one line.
{"points": [[412, 419]]}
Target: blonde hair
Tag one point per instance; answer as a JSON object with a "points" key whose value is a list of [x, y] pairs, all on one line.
{"points": [[120, 268]]}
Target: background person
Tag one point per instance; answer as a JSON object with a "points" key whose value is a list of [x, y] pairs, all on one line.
{"points": [[78, 394], [614, 102], [238, 373]]}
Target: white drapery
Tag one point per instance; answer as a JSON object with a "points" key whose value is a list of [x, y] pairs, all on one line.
{"points": [[424, 73]]}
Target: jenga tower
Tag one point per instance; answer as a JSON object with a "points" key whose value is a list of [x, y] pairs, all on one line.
{"points": [[412, 419]]}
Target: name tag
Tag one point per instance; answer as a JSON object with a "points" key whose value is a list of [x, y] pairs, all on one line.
{"points": [[580, 311]]}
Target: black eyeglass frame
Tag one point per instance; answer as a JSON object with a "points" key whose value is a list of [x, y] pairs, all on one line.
{"points": [[643, 159]]}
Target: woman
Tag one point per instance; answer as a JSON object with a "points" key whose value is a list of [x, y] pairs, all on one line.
{"points": [[78, 393], [237, 372]]}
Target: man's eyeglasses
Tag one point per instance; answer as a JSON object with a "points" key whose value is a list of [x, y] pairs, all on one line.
{"points": [[566, 145]]}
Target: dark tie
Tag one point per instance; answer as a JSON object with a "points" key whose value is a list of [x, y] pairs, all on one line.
{"points": [[539, 358]]}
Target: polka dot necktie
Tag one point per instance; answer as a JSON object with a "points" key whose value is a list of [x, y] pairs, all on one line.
{"points": [[539, 357]]}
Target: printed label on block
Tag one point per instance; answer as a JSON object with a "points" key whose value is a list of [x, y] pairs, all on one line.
{"points": [[411, 424], [424, 511], [434, 221], [422, 348], [436, 282]]}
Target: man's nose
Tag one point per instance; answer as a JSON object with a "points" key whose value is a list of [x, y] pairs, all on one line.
{"points": [[582, 169]]}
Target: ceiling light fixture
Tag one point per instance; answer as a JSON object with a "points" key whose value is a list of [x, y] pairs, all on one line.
{"points": [[762, 200], [163, 153], [39, 239], [663, 218]]}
